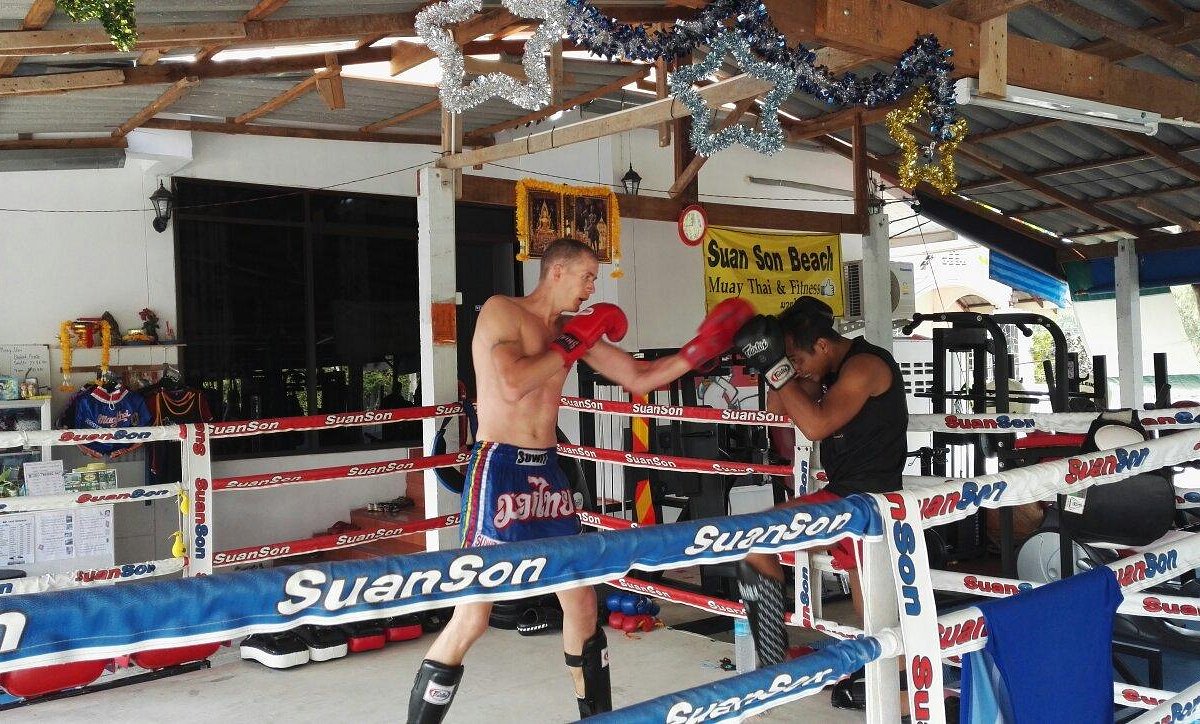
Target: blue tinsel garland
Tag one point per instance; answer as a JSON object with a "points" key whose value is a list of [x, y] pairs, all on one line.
{"points": [[925, 61]]}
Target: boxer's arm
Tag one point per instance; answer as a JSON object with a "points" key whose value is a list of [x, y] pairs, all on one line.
{"points": [[517, 373], [637, 376], [859, 379]]}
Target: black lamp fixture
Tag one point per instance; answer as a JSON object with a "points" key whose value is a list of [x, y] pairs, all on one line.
{"points": [[164, 203], [632, 181]]}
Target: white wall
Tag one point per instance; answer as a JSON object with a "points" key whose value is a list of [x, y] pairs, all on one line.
{"points": [[65, 265]]}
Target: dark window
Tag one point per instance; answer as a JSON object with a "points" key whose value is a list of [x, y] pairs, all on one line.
{"points": [[297, 302]]}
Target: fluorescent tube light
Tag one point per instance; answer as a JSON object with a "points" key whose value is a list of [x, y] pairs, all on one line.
{"points": [[1050, 105]]}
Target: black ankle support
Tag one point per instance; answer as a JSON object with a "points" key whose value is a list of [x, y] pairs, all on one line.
{"points": [[432, 692], [764, 601], [597, 689]]}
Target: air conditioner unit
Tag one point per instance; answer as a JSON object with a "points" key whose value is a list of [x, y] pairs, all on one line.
{"points": [[904, 300]]}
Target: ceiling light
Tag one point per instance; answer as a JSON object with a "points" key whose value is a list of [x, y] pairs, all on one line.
{"points": [[1052, 105]]}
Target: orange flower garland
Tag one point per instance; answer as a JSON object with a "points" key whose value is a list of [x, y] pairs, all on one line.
{"points": [[64, 344], [105, 345]]}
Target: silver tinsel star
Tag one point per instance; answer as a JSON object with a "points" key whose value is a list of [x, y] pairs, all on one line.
{"points": [[456, 98], [769, 138]]}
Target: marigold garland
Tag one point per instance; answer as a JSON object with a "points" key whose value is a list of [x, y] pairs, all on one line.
{"points": [[940, 174], [105, 345], [524, 186], [64, 344]]}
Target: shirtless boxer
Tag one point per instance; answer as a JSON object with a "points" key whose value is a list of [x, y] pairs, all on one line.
{"points": [[523, 350]]}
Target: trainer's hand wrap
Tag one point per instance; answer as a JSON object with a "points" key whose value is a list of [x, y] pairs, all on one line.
{"points": [[582, 331], [716, 332], [761, 343]]}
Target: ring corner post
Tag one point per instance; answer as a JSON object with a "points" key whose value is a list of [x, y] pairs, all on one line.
{"points": [[436, 290]]}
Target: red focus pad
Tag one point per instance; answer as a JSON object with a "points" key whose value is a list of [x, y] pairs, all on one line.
{"points": [[41, 680], [364, 636], [162, 658], [402, 628]]}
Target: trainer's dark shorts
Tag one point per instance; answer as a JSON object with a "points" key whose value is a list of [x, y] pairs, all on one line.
{"points": [[515, 494]]}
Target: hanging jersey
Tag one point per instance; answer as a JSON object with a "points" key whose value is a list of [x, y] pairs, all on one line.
{"points": [[171, 407], [101, 409]]}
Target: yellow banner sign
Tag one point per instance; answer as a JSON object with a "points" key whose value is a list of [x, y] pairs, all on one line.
{"points": [[772, 270]]}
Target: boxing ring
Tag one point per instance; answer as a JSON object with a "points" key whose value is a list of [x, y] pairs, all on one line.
{"points": [[79, 617]]}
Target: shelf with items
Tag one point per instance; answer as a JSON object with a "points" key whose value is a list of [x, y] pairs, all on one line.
{"points": [[87, 359], [16, 415]]}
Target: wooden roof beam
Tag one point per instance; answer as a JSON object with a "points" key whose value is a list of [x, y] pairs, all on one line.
{"points": [[1168, 213], [616, 85], [885, 29], [649, 114], [281, 100], [258, 12], [158, 105], [977, 11], [36, 17], [64, 143], [1185, 31], [1177, 58], [96, 40], [421, 110], [1165, 10], [1171, 157], [60, 82], [409, 55], [299, 132], [692, 170]]}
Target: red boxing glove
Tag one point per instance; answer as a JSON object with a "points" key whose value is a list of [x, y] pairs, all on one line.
{"points": [[716, 332], [584, 330]]}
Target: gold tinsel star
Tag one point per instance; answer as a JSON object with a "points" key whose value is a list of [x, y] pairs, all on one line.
{"points": [[939, 174]]}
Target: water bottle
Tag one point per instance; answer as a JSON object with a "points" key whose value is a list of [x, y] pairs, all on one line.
{"points": [[743, 646]]}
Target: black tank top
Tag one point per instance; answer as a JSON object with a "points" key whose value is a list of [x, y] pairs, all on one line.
{"points": [[867, 455]]}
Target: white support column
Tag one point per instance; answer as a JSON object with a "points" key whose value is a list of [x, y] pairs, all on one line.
{"points": [[880, 612], [1129, 324], [877, 282], [439, 361]]}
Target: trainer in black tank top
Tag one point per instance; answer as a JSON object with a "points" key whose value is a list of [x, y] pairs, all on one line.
{"points": [[867, 455]]}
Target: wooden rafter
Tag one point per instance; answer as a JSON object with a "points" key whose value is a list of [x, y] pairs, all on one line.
{"points": [[410, 55], [295, 132], [501, 46], [1075, 167], [29, 144], [1165, 10], [421, 110], [891, 175], [1176, 34], [1172, 157], [158, 105], [693, 168], [35, 19], [1113, 199], [649, 114], [977, 11], [568, 104], [1168, 213], [1177, 58], [60, 82], [96, 40], [281, 100], [815, 127], [885, 29]]}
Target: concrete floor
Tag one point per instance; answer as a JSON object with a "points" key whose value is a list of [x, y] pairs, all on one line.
{"points": [[508, 678]]}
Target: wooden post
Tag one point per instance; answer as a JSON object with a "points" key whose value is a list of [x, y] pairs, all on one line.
{"points": [[862, 191], [993, 57], [1129, 324], [439, 360], [452, 142]]}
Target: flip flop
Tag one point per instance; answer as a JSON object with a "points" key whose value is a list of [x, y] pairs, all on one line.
{"points": [[540, 619]]}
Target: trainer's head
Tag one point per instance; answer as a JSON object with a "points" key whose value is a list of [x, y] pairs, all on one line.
{"points": [[809, 337], [569, 269]]}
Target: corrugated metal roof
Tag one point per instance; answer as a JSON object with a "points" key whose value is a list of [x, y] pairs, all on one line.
{"points": [[1085, 163]]}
